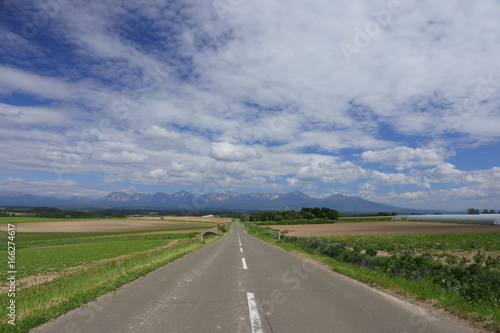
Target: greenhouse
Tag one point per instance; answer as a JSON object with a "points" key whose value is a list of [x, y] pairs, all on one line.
{"points": [[469, 218]]}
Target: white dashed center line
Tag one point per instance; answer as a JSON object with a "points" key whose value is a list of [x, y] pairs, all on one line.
{"points": [[254, 314], [244, 262], [252, 305]]}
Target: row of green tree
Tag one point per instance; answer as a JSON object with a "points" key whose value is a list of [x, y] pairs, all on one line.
{"points": [[4, 213], [485, 211], [305, 213], [60, 214]]}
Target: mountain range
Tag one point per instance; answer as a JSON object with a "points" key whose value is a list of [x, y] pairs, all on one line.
{"points": [[211, 201]]}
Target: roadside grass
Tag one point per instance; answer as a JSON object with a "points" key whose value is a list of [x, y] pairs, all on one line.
{"points": [[129, 257], [483, 312]]}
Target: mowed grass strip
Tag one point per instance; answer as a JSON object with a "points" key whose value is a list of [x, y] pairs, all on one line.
{"points": [[27, 239], [44, 256], [41, 303], [32, 239], [42, 260]]}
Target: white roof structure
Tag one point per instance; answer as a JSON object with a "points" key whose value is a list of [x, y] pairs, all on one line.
{"points": [[469, 218]]}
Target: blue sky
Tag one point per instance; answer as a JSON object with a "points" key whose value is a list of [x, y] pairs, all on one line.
{"points": [[393, 101]]}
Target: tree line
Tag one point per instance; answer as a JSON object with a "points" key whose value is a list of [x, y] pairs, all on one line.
{"points": [[485, 211], [60, 214], [305, 214], [4, 213]]}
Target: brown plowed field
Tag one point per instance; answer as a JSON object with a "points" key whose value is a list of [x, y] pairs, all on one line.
{"points": [[105, 225], [382, 228], [191, 218]]}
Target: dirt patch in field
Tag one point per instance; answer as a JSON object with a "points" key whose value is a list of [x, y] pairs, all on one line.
{"points": [[382, 228], [200, 230], [105, 225], [30, 281], [191, 218]]}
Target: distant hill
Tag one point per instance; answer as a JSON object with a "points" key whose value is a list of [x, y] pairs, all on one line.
{"points": [[223, 200]]}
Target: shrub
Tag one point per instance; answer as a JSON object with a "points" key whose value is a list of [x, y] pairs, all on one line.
{"points": [[222, 227]]}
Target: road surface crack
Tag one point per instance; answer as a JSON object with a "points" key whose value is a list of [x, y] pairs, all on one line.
{"points": [[265, 314]]}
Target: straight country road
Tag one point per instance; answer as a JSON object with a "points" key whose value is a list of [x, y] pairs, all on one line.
{"points": [[242, 284]]}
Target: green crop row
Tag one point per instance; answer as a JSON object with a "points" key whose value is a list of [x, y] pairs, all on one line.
{"points": [[423, 242]]}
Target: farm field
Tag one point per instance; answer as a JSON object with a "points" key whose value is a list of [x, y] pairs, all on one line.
{"points": [[191, 218], [28, 219], [393, 227], [25, 219], [108, 225], [45, 258]]}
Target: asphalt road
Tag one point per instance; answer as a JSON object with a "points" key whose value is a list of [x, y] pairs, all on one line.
{"points": [[242, 284]]}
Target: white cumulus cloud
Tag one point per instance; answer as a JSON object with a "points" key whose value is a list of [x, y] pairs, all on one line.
{"points": [[405, 157], [122, 157], [327, 172], [225, 151]]}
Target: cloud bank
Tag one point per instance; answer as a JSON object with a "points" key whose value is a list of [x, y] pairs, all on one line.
{"points": [[384, 99]]}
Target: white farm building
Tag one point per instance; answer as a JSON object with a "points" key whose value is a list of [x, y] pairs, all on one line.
{"points": [[469, 218]]}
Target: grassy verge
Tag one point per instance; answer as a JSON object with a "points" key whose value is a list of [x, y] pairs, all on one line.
{"points": [[434, 284], [40, 303]]}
